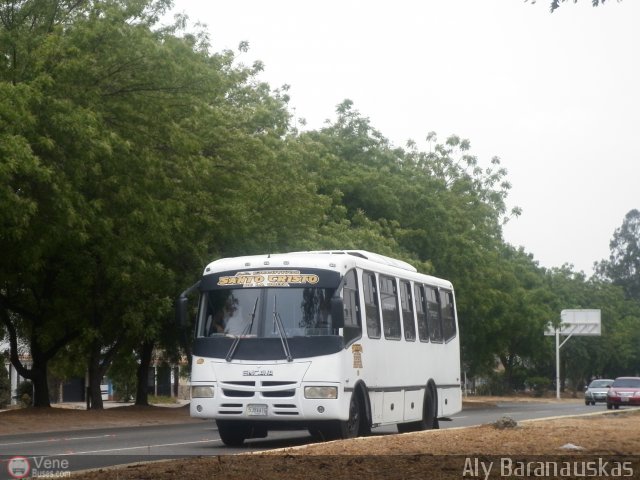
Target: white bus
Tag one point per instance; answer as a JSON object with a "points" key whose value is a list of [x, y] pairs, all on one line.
{"points": [[335, 342]]}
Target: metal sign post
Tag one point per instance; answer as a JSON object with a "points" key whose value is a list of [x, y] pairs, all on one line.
{"points": [[573, 322]]}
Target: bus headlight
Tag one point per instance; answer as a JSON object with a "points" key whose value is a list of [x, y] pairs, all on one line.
{"points": [[320, 392], [202, 392]]}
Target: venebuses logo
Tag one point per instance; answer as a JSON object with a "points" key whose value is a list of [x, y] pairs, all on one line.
{"points": [[38, 467], [18, 467]]}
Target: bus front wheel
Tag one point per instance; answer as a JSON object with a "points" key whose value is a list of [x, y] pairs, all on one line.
{"points": [[339, 429], [351, 428], [231, 434]]}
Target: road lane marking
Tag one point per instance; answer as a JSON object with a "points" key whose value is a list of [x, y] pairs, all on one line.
{"points": [[110, 450], [55, 440]]}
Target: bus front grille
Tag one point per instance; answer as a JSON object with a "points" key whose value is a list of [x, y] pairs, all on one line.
{"points": [[264, 389], [284, 409], [230, 409], [237, 393], [279, 394], [271, 383]]}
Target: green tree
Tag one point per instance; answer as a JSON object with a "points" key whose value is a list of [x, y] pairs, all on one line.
{"points": [[52, 279], [441, 211], [96, 150], [622, 271], [34, 201], [510, 315], [623, 265], [133, 157]]}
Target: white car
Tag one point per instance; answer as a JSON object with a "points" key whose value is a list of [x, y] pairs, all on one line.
{"points": [[597, 391]]}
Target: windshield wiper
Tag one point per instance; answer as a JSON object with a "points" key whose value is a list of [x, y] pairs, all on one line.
{"points": [[247, 329], [283, 337]]}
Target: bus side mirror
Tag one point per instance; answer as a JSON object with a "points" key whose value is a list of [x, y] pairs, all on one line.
{"points": [[337, 312], [182, 306]]}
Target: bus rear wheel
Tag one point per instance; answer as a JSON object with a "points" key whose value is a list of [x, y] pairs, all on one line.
{"points": [[429, 417]]}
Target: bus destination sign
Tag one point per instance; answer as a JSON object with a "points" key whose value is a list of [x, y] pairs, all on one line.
{"points": [[274, 278]]}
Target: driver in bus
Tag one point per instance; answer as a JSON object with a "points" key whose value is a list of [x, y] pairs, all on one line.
{"points": [[226, 319], [233, 322]]}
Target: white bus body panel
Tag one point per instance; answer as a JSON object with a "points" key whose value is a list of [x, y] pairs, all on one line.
{"points": [[397, 393]]}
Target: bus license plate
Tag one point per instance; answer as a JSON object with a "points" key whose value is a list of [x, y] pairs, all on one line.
{"points": [[256, 409]]}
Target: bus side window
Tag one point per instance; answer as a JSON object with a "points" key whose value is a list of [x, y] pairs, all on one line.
{"points": [[408, 322], [433, 314], [350, 298], [421, 312], [448, 316], [390, 310], [372, 312]]}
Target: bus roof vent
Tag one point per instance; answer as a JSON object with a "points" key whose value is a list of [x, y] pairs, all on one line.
{"points": [[375, 257], [372, 257]]}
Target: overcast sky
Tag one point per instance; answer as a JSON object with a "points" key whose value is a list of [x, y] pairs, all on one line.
{"points": [[555, 96]]}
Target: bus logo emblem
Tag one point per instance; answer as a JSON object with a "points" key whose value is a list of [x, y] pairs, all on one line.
{"points": [[257, 373]]}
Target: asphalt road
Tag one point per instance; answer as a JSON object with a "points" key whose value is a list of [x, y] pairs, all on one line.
{"points": [[77, 450]]}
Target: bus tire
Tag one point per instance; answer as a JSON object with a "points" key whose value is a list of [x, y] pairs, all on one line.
{"points": [[231, 434], [338, 429], [429, 417], [351, 428]]}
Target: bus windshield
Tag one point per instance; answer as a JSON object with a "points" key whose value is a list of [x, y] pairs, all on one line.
{"points": [[254, 312]]}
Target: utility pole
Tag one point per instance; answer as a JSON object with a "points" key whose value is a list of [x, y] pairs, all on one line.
{"points": [[573, 322]]}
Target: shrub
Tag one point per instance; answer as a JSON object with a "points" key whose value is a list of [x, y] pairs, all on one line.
{"points": [[539, 385], [5, 386], [123, 377], [493, 384], [25, 393]]}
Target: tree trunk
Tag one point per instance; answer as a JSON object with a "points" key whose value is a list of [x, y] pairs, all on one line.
{"points": [[39, 355], [176, 382], [38, 371], [38, 376], [95, 377], [40, 386], [99, 362], [142, 390], [507, 363]]}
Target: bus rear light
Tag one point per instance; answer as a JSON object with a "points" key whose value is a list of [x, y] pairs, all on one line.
{"points": [[202, 392], [320, 392]]}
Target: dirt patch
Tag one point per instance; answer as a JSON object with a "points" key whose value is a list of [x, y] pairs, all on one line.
{"points": [[595, 441]]}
